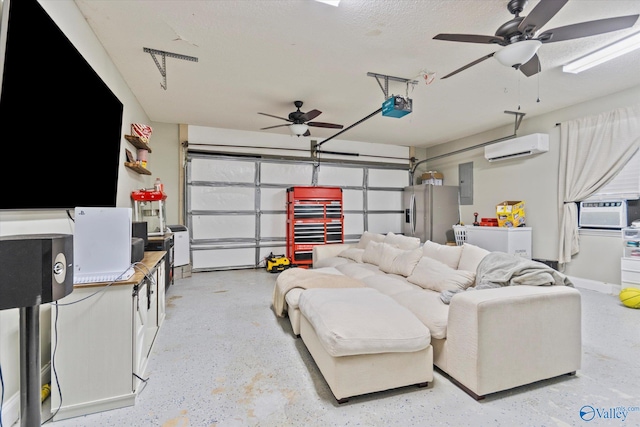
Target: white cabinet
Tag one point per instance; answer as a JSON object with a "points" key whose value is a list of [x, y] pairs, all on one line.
{"points": [[630, 262], [512, 240], [101, 340]]}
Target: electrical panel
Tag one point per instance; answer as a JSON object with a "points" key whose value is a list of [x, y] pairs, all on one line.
{"points": [[314, 217]]}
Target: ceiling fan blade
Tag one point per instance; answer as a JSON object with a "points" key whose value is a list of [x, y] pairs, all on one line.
{"points": [[540, 15], [275, 117], [531, 67], [271, 127], [589, 28], [310, 115], [307, 133], [477, 61], [324, 125], [470, 38]]}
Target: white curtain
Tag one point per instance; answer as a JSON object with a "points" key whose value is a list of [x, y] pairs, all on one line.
{"points": [[592, 151]]}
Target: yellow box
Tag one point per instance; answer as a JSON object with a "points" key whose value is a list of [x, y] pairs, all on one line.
{"points": [[510, 213]]}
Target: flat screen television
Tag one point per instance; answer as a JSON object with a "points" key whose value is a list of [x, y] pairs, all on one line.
{"points": [[60, 124]]}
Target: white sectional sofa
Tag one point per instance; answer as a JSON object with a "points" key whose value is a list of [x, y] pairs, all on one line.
{"points": [[486, 340]]}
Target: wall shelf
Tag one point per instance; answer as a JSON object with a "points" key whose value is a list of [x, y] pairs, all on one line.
{"points": [[137, 142], [140, 144], [137, 168]]}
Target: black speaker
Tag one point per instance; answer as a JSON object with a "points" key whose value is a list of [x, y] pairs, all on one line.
{"points": [[35, 269], [139, 229], [137, 249]]}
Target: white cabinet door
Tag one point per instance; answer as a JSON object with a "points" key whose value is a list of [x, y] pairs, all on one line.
{"points": [[93, 343], [140, 324]]}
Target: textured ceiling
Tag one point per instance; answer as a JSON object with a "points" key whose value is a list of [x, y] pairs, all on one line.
{"points": [[261, 55]]}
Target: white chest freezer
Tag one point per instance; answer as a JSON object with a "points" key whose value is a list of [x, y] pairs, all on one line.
{"points": [[512, 240]]}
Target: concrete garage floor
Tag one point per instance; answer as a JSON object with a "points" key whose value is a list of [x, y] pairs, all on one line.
{"points": [[222, 358]]}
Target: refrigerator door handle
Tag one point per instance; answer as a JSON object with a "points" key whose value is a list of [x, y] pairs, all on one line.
{"points": [[412, 217]]}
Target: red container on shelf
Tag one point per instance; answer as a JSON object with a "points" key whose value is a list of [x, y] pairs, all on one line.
{"points": [[488, 222], [148, 195]]}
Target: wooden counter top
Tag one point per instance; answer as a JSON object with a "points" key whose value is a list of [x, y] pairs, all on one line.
{"points": [[150, 260]]}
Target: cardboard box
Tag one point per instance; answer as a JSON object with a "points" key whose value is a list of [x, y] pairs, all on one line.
{"points": [[432, 177], [510, 213]]}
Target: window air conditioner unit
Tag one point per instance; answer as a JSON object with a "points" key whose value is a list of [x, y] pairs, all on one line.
{"points": [[518, 147]]}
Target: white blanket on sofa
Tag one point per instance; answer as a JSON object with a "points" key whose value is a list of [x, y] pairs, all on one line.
{"points": [[499, 269], [306, 279]]}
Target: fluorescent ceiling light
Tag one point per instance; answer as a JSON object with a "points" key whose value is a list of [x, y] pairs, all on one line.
{"points": [[517, 53], [330, 2], [605, 54], [298, 129]]}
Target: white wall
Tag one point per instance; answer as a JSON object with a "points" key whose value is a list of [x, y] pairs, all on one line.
{"points": [[535, 180], [164, 163]]}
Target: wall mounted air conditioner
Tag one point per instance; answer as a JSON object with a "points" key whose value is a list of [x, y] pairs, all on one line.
{"points": [[518, 147]]}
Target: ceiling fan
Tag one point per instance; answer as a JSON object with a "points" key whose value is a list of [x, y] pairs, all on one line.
{"points": [[300, 121], [521, 39]]}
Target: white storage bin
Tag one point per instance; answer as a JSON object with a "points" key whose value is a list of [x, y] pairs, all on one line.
{"points": [[512, 240]]}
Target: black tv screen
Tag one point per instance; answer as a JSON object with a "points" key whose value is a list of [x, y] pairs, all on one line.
{"points": [[61, 125]]}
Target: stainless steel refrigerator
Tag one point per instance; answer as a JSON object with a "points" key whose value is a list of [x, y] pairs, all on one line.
{"points": [[430, 211]]}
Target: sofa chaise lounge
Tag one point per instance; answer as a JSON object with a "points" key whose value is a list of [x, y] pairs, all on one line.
{"points": [[484, 340]]}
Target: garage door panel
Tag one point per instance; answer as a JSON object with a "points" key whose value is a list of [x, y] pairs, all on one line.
{"points": [[388, 178], [223, 258], [353, 224], [219, 170], [207, 227], [273, 226], [340, 176], [352, 200], [383, 200], [384, 223], [205, 198], [286, 174], [273, 199]]}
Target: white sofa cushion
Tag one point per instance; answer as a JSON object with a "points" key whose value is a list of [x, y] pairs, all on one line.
{"points": [[358, 271], [293, 295], [362, 322], [449, 255], [428, 308], [471, 257], [333, 261], [354, 254], [401, 241], [388, 284], [373, 253], [437, 276], [367, 237], [399, 261]]}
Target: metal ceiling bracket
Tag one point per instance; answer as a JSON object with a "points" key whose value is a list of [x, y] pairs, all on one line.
{"points": [[518, 118], [163, 68], [385, 88]]}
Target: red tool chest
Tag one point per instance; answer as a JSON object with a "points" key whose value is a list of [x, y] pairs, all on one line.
{"points": [[314, 217]]}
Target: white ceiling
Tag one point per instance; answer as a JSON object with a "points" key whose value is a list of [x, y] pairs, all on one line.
{"points": [[261, 55]]}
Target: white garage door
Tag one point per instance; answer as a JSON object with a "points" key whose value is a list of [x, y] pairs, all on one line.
{"points": [[236, 206]]}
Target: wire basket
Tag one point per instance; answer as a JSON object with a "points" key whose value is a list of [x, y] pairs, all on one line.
{"points": [[460, 232]]}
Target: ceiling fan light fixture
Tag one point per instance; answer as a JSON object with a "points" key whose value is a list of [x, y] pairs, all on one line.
{"points": [[607, 53], [298, 129], [518, 53]]}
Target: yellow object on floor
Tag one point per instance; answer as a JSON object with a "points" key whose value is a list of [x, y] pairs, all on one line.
{"points": [[276, 263], [630, 297], [45, 392]]}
